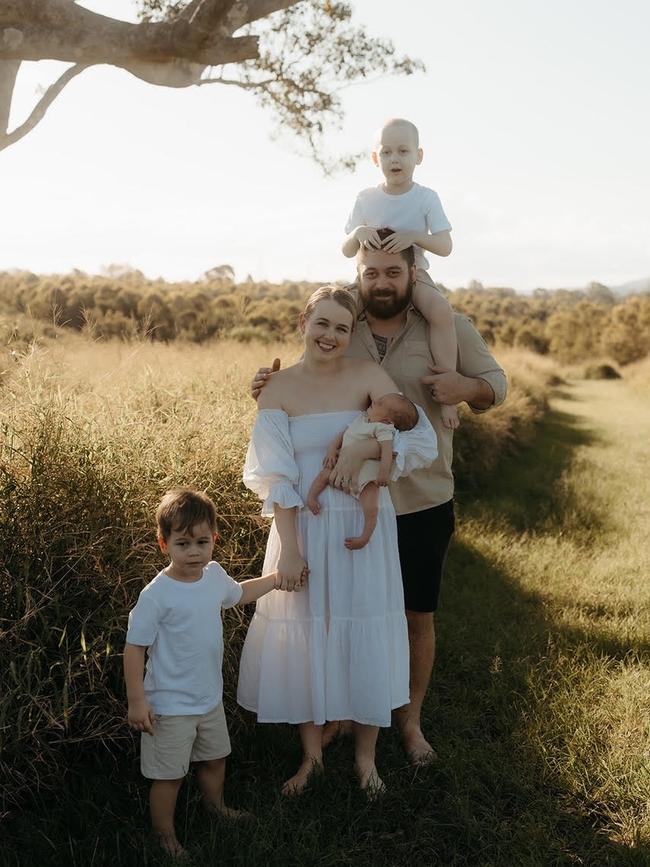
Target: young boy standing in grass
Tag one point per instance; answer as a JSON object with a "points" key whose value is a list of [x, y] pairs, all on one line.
{"points": [[416, 215], [177, 704]]}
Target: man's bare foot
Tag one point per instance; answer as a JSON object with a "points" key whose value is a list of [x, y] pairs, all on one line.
{"points": [[354, 543], [296, 784], [418, 749], [370, 781], [170, 845], [336, 729]]}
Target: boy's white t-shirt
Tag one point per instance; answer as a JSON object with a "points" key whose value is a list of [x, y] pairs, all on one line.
{"points": [[419, 210], [180, 623]]}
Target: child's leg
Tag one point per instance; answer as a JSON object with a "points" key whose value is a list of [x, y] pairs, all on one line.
{"points": [[311, 737], [369, 499], [317, 487], [442, 335], [365, 743], [211, 776], [162, 804]]}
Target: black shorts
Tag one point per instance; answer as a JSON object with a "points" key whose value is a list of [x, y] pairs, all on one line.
{"points": [[423, 539]]}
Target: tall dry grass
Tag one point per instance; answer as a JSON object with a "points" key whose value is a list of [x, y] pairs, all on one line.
{"points": [[92, 435]]}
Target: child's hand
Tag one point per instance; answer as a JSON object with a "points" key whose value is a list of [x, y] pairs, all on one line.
{"points": [[141, 716], [399, 241], [368, 237]]}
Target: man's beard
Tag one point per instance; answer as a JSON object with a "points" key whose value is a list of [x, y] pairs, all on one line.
{"points": [[387, 306]]}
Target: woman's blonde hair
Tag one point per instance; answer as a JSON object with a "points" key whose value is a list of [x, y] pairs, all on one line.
{"points": [[336, 293]]}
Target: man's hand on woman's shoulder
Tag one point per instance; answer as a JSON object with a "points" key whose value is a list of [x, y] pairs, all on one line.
{"points": [[261, 377]]}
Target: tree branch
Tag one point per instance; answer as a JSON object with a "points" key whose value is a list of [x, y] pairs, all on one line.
{"points": [[8, 72], [247, 11], [245, 85], [41, 107]]}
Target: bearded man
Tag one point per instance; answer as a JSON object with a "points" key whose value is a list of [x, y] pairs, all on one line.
{"points": [[395, 335]]}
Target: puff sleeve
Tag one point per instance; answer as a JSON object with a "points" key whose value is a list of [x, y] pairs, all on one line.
{"points": [[270, 469], [414, 449]]}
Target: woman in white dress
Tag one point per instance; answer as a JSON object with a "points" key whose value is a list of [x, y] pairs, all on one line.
{"points": [[339, 649]]}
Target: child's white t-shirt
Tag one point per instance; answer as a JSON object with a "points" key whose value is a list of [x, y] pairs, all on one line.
{"points": [[180, 623], [419, 210]]}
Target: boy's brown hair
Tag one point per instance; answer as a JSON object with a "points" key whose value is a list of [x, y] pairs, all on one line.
{"points": [[181, 509]]}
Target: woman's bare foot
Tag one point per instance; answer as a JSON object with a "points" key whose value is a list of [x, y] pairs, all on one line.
{"points": [[370, 781], [170, 845], [336, 729], [296, 784], [417, 747]]}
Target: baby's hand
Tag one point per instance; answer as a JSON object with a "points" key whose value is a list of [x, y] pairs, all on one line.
{"points": [[368, 237], [141, 716], [399, 241]]}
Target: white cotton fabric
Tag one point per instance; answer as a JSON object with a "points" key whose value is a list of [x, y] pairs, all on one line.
{"points": [[339, 649], [418, 210], [180, 623]]}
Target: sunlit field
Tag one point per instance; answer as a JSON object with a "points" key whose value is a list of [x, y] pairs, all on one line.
{"points": [[540, 704]]}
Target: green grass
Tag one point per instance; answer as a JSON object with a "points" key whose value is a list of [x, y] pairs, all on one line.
{"points": [[539, 710]]}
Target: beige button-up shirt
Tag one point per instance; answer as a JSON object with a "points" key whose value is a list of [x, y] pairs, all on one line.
{"points": [[408, 358]]}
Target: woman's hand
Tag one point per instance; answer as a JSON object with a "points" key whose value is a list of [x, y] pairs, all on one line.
{"points": [[292, 572], [141, 716], [331, 458], [345, 474]]}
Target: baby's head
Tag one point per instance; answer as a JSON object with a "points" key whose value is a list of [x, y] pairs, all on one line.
{"points": [[396, 150], [394, 409], [187, 517]]}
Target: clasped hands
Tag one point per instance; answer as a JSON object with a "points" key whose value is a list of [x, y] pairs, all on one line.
{"points": [[292, 572]]}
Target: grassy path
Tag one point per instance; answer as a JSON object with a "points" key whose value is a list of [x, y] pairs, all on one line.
{"points": [[549, 598], [540, 709]]}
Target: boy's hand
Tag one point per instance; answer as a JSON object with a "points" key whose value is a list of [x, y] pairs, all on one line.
{"points": [[261, 377], [368, 237], [141, 716], [399, 241]]}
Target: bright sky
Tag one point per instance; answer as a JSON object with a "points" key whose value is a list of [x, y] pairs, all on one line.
{"points": [[533, 118]]}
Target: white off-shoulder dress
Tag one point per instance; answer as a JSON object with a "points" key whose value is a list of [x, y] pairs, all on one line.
{"points": [[339, 649]]}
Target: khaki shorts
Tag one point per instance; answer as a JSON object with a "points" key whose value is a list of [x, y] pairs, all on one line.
{"points": [[179, 740]]}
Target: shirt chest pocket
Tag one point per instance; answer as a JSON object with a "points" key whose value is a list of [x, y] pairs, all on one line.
{"points": [[415, 359]]}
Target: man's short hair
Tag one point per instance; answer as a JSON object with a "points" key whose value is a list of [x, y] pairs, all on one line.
{"points": [[182, 509]]}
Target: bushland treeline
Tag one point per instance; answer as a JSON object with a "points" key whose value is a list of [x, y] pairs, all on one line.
{"points": [[569, 325]]}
